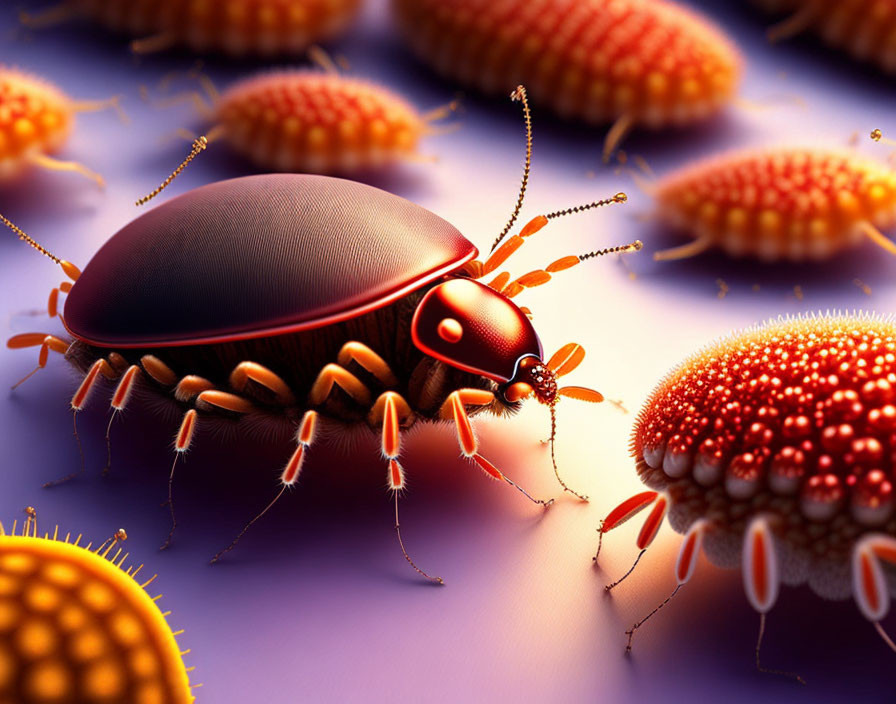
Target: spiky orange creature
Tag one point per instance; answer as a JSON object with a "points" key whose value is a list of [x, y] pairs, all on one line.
{"points": [[303, 120], [794, 204], [627, 62], [75, 627], [776, 449], [236, 27], [36, 119], [864, 28]]}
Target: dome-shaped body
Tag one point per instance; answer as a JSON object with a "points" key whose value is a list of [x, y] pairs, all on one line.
{"points": [[247, 27], [76, 628], [795, 420], [867, 30], [320, 123], [257, 256], [591, 60], [787, 203], [35, 117]]}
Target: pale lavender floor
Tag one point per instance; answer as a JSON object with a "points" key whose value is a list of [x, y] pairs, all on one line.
{"points": [[318, 605]]}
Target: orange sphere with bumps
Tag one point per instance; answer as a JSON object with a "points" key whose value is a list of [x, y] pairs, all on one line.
{"points": [[77, 629], [237, 27], [594, 60], [792, 204], [795, 420], [35, 118], [864, 28], [320, 123]]}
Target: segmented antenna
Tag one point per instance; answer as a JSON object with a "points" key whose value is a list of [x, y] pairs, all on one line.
{"points": [[198, 145], [618, 198], [70, 269], [520, 95], [632, 247]]}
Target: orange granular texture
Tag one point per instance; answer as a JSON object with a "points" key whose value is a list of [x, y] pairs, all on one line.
{"points": [[75, 628], [864, 28], [804, 407], [795, 203], [233, 26], [35, 116], [594, 60], [304, 121]]}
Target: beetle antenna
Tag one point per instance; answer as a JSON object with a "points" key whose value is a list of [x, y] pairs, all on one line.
{"points": [[520, 95], [198, 146], [618, 198], [70, 269], [553, 437], [539, 277]]}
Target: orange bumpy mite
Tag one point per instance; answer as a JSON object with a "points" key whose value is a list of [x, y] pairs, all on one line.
{"points": [[76, 628], [792, 204], [796, 418], [35, 121], [775, 450], [237, 27], [864, 28], [315, 122], [629, 62]]}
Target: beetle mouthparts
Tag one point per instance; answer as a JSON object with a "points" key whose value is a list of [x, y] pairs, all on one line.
{"points": [[532, 373]]}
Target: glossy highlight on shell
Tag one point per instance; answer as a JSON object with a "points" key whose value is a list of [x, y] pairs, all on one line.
{"points": [[796, 420]]}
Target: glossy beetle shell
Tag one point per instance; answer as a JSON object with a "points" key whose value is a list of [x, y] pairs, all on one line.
{"points": [[256, 256], [492, 333]]}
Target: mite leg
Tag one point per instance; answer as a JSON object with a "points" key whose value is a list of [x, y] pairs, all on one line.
{"points": [[370, 360], [387, 408], [684, 570], [56, 14], [616, 134], [119, 400], [32, 339], [245, 372], [79, 400], [876, 236], [154, 43], [648, 531], [619, 515], [466, 438], [182, 442], [48, 162], [224, 401], [685, 251], [798, 22], [334, 375], [96, 105], [288, 477], [762, 580], [869, 584], [158, 370], [190, 387]]}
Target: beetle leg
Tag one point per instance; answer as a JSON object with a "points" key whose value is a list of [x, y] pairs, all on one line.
{"points": [[469, 445], [370, 360], [119, 400], [190, 387], [391, 410], [334, 374], [223, 400], [79, 400], [33, 339], [245, 372], [648, 531], [288, 477], [468, 397], [182, 442], [684, 570], [158, 370], [53, 300]]}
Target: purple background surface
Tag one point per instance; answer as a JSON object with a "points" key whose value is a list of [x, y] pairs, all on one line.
{"points": [[317, 604]]}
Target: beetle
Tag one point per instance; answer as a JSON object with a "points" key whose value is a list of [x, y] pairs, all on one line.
{"points": [[386, 326]]}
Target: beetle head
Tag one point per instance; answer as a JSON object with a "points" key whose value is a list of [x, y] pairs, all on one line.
{"points": [[474, 328]]}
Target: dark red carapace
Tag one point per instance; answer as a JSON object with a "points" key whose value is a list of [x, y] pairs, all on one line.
{"points": [[316, 299]]}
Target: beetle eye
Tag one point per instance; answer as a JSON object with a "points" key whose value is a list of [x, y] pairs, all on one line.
{"points": [[450, 330]]}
